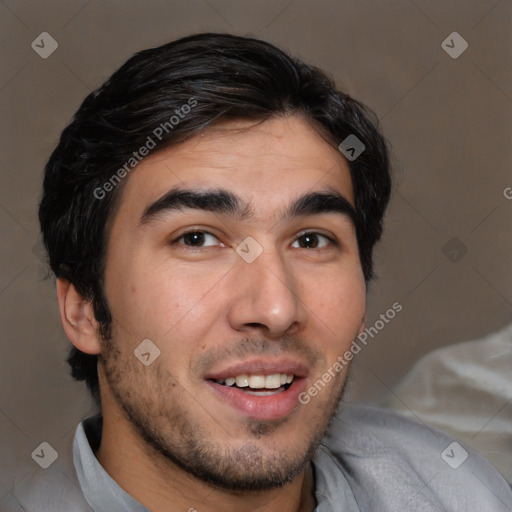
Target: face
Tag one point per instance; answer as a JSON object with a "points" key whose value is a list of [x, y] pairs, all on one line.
{"points": [[236, 255]]}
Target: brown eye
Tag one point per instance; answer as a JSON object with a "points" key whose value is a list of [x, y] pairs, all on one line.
{"points": [[198, 239], [311, 241]]}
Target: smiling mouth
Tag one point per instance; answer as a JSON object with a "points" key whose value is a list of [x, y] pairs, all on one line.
{"points": [[259, 385]]}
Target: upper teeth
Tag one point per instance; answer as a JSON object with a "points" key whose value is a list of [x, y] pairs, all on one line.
{"points": [[259, 381]]}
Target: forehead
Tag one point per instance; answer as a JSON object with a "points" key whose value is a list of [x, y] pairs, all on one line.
{"points": [[263, 162]]}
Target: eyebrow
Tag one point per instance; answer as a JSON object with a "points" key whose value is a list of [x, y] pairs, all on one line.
{"points": [[316, 203], [219, 201], [225, 202]]}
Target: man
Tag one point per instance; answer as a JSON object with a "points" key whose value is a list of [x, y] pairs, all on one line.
{"points": [[210, 215]]}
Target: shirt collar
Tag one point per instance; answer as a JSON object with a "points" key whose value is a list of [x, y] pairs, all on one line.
{"points": [[332, 489], [101, 491]]}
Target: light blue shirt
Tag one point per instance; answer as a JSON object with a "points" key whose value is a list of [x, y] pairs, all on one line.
{"points": [[371, 460]]}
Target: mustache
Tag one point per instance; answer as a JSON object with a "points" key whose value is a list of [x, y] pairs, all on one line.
{"points": [[288, 345]]}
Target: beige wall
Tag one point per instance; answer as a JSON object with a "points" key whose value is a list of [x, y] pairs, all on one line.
{"points": [[448, 121]]}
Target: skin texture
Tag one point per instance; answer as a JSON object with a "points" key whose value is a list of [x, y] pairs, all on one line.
{"points": [[168, 439]]}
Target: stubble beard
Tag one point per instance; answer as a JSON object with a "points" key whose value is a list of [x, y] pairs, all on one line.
{"points": [[173, 435]]}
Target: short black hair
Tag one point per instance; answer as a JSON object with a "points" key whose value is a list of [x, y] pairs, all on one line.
{"points": [[166, 95]]}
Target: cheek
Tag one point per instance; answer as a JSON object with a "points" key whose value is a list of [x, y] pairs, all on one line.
{"points": [[167, 303], [169, 313], [337, 305]]}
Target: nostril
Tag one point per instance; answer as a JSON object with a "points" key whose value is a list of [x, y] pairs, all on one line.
{"points": [[256, 325]]}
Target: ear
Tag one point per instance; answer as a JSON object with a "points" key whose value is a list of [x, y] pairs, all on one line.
{"points": [[77, 317]]}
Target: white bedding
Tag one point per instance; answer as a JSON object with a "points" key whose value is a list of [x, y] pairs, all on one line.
{"points": [[465, 389]]}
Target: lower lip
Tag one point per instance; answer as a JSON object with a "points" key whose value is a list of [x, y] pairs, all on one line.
{"points": [[263, 408]]}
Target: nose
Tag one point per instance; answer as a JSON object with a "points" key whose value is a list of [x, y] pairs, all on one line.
{"points": [[267, 297]]}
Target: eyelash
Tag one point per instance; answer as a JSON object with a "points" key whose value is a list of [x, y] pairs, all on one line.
{"points": [[192, 232], [332, 241]]}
